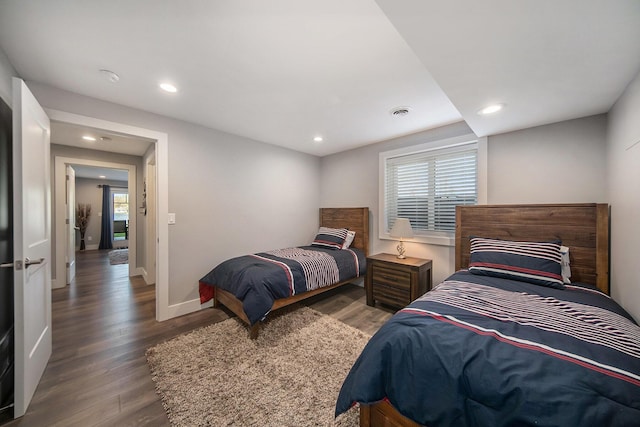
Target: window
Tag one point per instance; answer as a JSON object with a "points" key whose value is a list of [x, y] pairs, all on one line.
{"points": [[120, 200], [426, 183]]}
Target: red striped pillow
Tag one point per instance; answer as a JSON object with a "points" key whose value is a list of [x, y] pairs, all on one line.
{"points": [[330, 238]]}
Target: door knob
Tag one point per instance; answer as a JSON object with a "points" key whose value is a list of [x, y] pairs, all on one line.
{"points": [[28, 262]]}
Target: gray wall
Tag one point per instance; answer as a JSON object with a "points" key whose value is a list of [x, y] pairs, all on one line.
{"points": [[350, 178], [623, 172], [6, 72], [561, 162], [231, 195]]}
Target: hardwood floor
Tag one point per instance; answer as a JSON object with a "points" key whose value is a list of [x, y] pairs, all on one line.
{"points": [[102, 325]]}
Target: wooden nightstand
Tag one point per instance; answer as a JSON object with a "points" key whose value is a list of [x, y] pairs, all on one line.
{"points": [[395, 281]]}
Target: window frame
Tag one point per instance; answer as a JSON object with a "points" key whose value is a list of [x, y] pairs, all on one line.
{"points": [[435, 237], [118, 190]]}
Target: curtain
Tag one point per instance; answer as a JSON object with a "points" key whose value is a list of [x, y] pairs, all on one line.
{"points": [[105, 234]]}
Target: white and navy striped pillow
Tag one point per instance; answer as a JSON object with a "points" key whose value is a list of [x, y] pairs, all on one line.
{"points": [[533, 262], [330, 238]]}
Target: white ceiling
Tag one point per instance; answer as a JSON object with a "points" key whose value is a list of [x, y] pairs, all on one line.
{"points": [[284, 71], [72, 135], [106, 174]]}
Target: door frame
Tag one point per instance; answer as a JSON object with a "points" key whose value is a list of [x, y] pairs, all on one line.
{"points": [[60, 227], [150, 213], [163, 311], [70, 224]]}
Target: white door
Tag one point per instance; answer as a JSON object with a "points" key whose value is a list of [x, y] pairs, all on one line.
{"points": [[70, 200], [32, 243]]}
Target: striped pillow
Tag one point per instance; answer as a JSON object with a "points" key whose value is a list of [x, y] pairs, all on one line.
{"points": [[330, 238], [533, 262]]}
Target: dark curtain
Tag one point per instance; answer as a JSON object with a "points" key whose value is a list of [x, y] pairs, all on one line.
{"points": [[105, 234]]}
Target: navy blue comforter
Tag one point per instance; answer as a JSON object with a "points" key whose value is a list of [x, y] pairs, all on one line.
{"points": [[484, 351], [259, 279]]}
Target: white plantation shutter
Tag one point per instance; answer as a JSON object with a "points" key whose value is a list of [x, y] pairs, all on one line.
{"points": [[427, 186]]}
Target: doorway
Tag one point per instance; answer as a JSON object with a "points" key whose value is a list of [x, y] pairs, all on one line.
{"points": [[159, 152], [61, 259]]}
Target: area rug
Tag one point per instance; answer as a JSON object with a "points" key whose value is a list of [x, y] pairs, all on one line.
{"points": [[290, 376], [119, 256]]}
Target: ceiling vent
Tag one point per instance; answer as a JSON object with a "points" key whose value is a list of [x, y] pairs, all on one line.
{"points": [[400, 111], [110, 76]]}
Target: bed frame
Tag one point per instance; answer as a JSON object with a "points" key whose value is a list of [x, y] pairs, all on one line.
{"points": [[584, 228], [354, 219]]}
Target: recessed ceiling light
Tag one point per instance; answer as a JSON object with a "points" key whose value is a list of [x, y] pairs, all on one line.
{"points": [[105, 138], [318, 139], [490, 109], [101, 176], [168, 87], [88, 138], [110, 75]]}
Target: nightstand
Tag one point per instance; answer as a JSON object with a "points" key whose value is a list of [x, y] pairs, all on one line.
{"points": [[396, 282]]}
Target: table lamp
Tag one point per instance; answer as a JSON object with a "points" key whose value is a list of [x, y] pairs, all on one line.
{"points": [[402, 230]]}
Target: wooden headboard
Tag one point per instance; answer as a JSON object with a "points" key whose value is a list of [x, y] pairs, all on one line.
{"points": [[584, 228], [354, 219]]}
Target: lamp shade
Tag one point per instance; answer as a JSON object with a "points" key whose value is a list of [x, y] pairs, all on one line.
{"points": [[402, 229]]}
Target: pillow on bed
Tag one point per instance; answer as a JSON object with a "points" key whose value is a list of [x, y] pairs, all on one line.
{"points": [[533, 262], [566, 266], [349, 239], [331, 238]]}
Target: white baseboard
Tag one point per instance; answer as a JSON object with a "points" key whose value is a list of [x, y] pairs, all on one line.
{"points": [[92, 247], [143, 273], [56, 285], [187, 307]]}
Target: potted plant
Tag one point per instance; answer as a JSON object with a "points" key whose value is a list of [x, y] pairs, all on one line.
{"points": [[83, 213]]}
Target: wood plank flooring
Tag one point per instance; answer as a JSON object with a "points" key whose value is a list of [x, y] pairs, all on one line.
{"points": [[102, 325]]}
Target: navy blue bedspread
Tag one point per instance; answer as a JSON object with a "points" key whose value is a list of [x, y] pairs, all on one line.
{"points": [[483, 351], [259, 279]]}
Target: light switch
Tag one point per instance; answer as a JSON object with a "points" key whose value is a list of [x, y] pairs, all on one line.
{"points": [[172, 218]]}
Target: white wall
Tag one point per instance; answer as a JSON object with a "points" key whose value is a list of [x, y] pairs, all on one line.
{"points": [[231, 195], [561, 162], [623, 170]]}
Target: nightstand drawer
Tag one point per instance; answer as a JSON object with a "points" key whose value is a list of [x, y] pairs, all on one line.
{"points": [[391, 276], [396, 281], [391, 295]]}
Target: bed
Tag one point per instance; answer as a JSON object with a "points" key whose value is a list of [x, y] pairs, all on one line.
{"points": [[484, 348], [254, 285]]}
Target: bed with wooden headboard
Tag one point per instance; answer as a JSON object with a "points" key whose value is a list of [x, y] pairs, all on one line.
{"points": [[353, 219], [584, 228]]}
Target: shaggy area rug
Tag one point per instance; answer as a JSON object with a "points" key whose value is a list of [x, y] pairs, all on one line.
{"points": [[119, 256], [290, 376]]}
